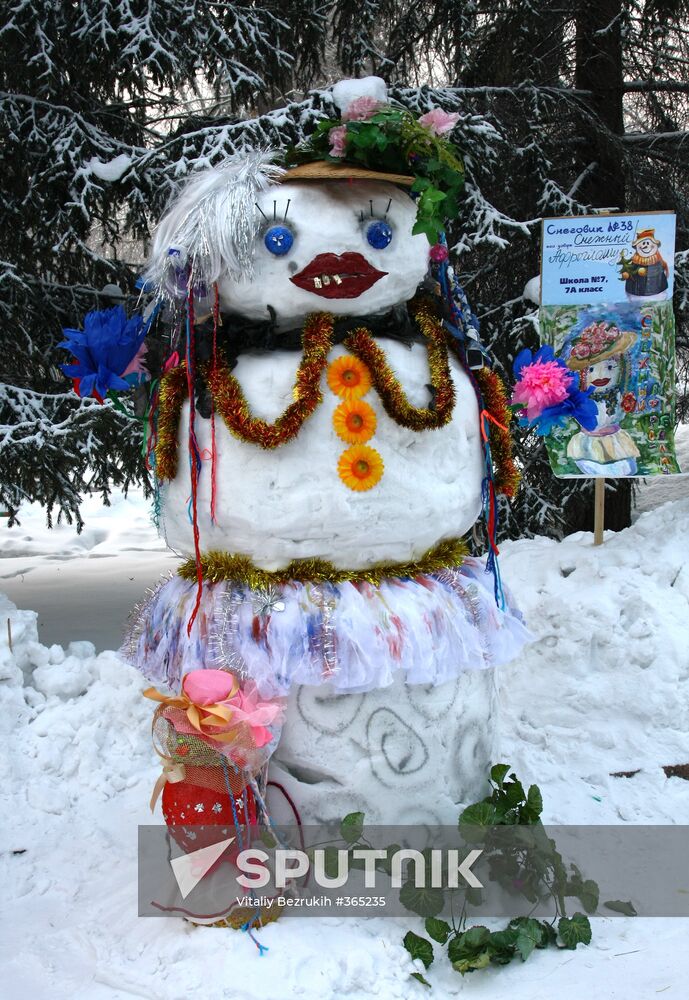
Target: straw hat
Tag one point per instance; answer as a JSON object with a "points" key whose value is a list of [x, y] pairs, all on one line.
{"points": [[321, 170]]}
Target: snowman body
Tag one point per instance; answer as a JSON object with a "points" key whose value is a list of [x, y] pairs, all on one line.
{"points": [[391, 700], [275, 506]]}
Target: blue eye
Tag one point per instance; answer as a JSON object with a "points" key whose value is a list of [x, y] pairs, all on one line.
{"points": [[379, 234], [279, 240]]}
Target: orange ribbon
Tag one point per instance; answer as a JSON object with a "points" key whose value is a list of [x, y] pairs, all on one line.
{"points": [[218, 715], [485, 415]]}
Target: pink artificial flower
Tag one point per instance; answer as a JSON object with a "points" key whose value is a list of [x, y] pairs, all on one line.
{"points": [[214, 687], [171, 362], [338, 140], [208, 687], [361, 109], [136, 365], [438, 121], [250, 710], [541, 384]]}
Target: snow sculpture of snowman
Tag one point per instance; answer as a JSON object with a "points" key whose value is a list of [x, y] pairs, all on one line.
{"points": [[320, 441]]}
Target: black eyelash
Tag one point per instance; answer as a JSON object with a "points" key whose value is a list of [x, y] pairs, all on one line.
{"points": [[275, 210], [372, 213]]}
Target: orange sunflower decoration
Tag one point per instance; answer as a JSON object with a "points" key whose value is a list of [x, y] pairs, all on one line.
{"points": [[355, 421], [349, 378], [360, 467]]}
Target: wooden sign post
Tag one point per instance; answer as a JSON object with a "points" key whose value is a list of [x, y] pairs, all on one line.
{"points": [[598, 510]]}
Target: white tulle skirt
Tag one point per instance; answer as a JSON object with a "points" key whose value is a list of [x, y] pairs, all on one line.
{"points": [[352, 637]]}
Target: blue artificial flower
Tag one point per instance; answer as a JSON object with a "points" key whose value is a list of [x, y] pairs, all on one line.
{"points": [[527, 357], [578, 406], [104, 349]]}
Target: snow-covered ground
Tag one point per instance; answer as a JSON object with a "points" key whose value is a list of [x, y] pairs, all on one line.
{"points": [[604, 688]]}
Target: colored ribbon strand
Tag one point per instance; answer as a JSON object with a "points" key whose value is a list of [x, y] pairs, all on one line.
{"points": [[172, 773], [194, 456], [214, 365]]}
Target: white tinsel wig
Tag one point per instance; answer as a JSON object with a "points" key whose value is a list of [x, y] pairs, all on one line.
{"points": [[210, 227]]}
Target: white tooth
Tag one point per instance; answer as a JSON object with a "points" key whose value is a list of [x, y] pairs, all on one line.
{"points": [[326, 279], [317, 283], [337, 279]]}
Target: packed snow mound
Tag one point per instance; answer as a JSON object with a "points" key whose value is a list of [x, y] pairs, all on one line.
{"points": [[604, 688]]}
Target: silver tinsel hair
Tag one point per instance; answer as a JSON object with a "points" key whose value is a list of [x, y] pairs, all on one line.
{"points": [[210, 228]]}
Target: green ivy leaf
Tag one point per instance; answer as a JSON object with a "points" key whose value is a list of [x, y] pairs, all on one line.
{"points": [[474, 897], [534, 804], [431, 229], [619, 906], [589, 895], [352, 826], [331, 862], [431, 196], [439, 930], [480, 814], [468, 944], [418, 947], [514, 792], [498, 773], [574, 931], [421, 979], [426, 902], [530, 935], [464, 965], [503, 945]]}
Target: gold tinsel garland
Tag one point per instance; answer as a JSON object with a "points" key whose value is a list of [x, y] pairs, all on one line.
{"points": [[396, 405], [506, 476], [173, 392], [231, 403], [217, 566]]}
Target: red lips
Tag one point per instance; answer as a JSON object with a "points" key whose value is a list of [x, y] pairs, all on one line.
{"points": [[600, 382], [338, 276]]}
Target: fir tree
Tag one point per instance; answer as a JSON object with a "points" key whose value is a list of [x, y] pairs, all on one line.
{"points": [[107, 107]]}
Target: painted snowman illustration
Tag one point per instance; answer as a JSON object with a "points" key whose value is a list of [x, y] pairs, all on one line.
{"points": [[322, 435], [601, 356], [645, 273]]}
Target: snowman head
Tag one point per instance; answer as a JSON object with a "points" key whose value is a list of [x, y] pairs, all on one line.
{"points": [[646, 243], [342, 246], [604, 375], [337, 231], [647, 246]]}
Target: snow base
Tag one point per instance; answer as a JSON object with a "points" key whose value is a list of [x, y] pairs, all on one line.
{"points": [[402, 754], [604, 688]]}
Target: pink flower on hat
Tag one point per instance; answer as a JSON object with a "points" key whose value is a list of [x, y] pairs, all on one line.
{"points": [[338, 140], [360, 109], [438, 121], [438, 253]]}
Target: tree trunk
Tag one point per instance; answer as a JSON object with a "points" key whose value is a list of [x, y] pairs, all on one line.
{"points": [[599, 72]]}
